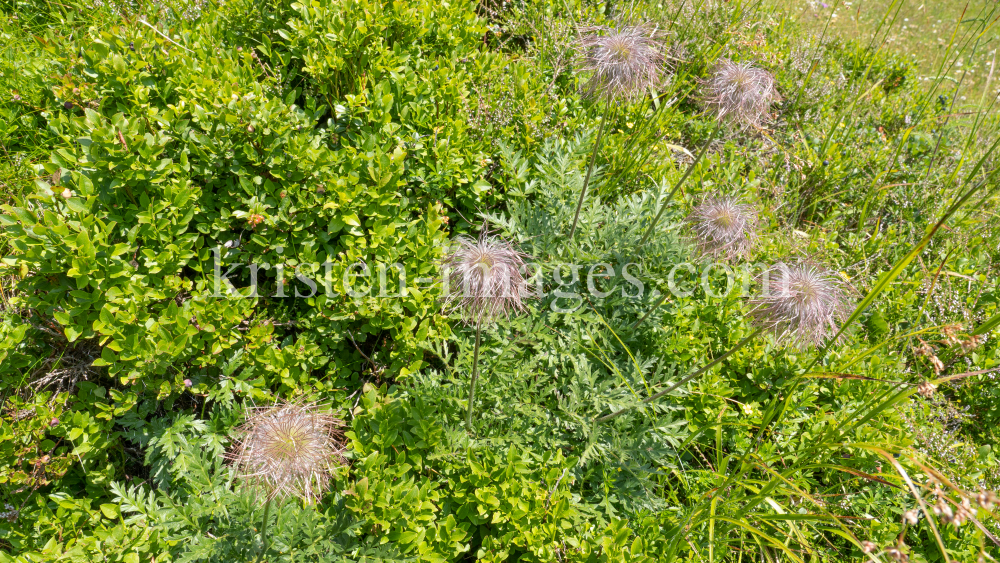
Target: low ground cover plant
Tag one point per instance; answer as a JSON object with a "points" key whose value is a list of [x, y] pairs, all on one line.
{"points": [[358, 280]]}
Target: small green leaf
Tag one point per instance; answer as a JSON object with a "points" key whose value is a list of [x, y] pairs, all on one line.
{"points": [[110, 512]]}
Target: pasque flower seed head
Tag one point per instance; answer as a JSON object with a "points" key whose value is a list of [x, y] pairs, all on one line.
{"points": [[288, 450], [800, 304], [483, 279], [740, 93], [722, 226], [625, 61]]}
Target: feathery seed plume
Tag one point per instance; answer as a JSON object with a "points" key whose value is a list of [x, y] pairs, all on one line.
{"points": [[740, 92], [625, 61], [801, 304], [483, 279], [289, 449], [723, 226]]}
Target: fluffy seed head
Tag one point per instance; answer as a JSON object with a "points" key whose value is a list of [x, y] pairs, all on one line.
{"points": [[926, 389], [722, 226], [625, 61], [740, 93], [987, 499], [483, 279], [289, 449], [897, 554], [801, 304]]}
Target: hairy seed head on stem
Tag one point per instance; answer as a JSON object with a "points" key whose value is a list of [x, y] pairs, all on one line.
{"points": [[740, 93], [625, 61], [722, 226], [288, 450], [801, 304], [484, 279]]}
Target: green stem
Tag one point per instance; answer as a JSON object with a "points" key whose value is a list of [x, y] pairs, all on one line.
{"points": [[590, 168], [650, 312], [263, 530], [475, 375], [680, 182], [687, 378]]}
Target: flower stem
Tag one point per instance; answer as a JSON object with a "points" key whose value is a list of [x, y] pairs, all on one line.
{"points": [[680, 182], [590, 168], [475, 375], [686, 378], [263, 530], [650, 312]]}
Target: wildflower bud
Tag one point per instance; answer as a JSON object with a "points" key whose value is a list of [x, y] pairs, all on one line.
{"points": [[868, 547], [951, 331], [986, 499], [17, 98], [943, 511], [963, 513], [67, 193], [254, 219], [924, 349], [76, 91], [54, 422], [912, 516], [971, 343], [937, 364], [187, 383], [897, 555], [926, 389]]}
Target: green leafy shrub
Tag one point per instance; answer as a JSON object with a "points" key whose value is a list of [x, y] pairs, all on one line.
{"points": [[155, 148]]}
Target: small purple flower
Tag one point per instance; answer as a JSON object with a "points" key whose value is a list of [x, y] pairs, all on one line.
{"points": [[824, 5], [187, 383]]}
